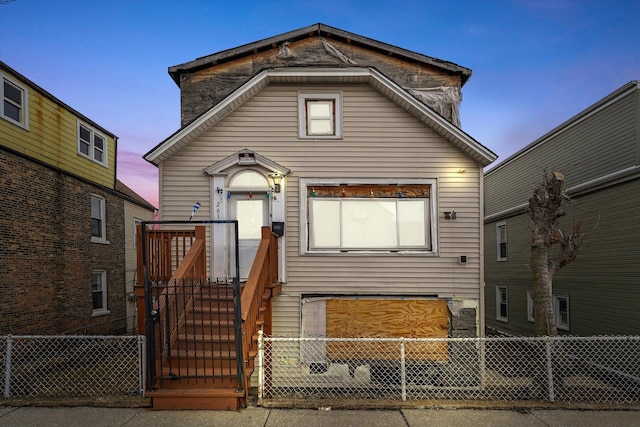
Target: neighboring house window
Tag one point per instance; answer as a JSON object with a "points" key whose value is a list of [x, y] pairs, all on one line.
{"points": [[98, 219], [501, 240], [561, 311], [14, 106], [502, 304], [320, 115], [99, 292], [356, 217], [530, 307], [92, 144]]}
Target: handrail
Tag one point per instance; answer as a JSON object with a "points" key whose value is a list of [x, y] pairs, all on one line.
{"points": [[263, 274]]}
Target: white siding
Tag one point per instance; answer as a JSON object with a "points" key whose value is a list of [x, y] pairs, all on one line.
{"points": [[380, 140]]}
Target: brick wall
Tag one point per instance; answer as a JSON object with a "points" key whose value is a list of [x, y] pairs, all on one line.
{"points": [[46, 253]]}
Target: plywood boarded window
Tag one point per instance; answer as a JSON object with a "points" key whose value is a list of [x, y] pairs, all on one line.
{"points": [[344, 317]]}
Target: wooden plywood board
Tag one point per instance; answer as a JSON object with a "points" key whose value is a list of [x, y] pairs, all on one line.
{"points": [[387, 319]]}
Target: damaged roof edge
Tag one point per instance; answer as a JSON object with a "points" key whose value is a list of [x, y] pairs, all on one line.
{"points": [[456, 135], [301, 33]]}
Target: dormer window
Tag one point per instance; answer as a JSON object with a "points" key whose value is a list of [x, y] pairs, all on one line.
{"points": [[92, 144], [14, 107], [320, 115]]}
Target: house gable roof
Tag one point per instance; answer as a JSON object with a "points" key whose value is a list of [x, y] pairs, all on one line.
{"points": [[367, 75], [316, 30]]}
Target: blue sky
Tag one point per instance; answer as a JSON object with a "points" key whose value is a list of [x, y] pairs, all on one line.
{"points": [[535, 63]]}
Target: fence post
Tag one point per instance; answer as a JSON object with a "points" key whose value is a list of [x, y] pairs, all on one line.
{"points": [[550, 369], [142, 360], [7, 369], [403, 372], [260, 363]]}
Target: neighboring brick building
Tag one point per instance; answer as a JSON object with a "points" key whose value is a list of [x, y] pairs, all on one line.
{"points": [[62, 258]]}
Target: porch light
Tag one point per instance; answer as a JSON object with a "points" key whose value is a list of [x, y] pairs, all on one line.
{"points": [[277, 179]]}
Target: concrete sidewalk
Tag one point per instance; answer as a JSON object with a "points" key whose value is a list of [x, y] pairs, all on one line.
{"points": [[259, 417]]}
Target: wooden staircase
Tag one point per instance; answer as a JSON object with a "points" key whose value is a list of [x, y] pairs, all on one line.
{"points": [[196, 349]]}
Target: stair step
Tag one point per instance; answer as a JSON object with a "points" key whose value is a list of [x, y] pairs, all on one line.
{"points": [[229, 399]]}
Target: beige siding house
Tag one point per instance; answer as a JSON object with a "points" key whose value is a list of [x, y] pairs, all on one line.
{"points": [[378, 189]]}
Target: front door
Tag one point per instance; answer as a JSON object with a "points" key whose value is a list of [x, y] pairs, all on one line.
{"points": [[252, 213]]}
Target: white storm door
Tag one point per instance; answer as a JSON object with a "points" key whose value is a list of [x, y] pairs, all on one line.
{"points": [[252, 214]]}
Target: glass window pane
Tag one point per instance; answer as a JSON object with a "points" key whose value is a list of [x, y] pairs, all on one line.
{"points": [[11, 111], [319, 109], [85, 134], [97, 154], [250, 216], [96, 207], [325, 223], [84, 148], [320, 127], [12, 93], [412, 223], [98, 142], [369, 224]]}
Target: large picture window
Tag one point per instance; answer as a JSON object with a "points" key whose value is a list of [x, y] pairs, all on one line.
{"points": [[369, 217]]}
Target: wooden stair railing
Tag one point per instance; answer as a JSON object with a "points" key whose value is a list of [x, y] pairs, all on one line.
{"points": [[184, 252], [261, 286]]}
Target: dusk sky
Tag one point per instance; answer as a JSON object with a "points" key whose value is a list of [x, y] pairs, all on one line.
{"points": [[535, 63]]}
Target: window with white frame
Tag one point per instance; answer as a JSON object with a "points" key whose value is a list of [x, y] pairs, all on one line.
{"points": [[530, 307], [99, 292], [501, 241], [320, 115], [369, 217], [561, 311], [502, 304], [14, 107], [92, 144], [98, 219]]}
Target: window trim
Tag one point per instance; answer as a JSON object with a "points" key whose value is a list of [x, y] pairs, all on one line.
{"points": [[304, 98], [501, 225], [556, 312], [103, 217], [24, 123], [105, 308], [499, 302], [431, 213], [92, 148]]}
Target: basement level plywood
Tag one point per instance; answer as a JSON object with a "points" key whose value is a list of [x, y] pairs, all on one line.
{"points": [[388, 319]]}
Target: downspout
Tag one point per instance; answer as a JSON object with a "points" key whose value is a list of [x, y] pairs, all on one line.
{"points": [[115, 160]]}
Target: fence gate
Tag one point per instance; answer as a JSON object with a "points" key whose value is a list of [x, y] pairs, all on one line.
{"points": [[193, 321]]}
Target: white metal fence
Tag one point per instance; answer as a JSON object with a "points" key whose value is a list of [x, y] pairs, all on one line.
{"points": [[572, 369], [72, 366]]}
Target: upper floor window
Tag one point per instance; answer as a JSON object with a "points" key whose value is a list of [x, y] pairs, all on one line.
{"points": [[353, 217], [320, 115], [14, 106], [501, 241], [99, 292], [98, 220], [92, 144]]}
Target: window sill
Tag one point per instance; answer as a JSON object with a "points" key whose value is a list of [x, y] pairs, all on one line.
{"points": [[99, 240], [13, 122], [503, 320], [101, 312], [369, 253]]}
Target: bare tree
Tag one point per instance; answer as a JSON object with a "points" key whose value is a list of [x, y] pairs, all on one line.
{"points": [[551, 248]]}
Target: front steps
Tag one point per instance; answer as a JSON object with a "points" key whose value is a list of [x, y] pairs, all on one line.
{"points": [[219, 399]]}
